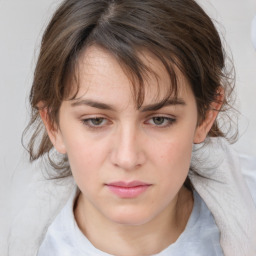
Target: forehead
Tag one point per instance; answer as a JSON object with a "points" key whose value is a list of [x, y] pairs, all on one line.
{"points": [[100, 74]]}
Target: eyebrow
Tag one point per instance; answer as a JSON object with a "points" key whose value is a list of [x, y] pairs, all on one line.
{"points": [[93, 104], [147, 108], [164, 103]]}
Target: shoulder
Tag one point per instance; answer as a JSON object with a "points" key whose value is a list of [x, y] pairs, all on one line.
{"points": [[43, 200], [248, 169], [222, 180]]}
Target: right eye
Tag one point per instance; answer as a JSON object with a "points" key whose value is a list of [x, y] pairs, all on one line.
{"points": [[96, 122]]}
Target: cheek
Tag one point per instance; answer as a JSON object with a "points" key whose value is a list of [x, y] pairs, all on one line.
{"points": [[84, 156], [175, 156], [178, 143]]}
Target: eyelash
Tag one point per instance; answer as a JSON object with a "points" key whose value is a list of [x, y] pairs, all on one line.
{"points": [[88, 122]]}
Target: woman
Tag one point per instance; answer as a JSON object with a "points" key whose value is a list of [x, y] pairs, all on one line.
{"points": [[123, 92]]}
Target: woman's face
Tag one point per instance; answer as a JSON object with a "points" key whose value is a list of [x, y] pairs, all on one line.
{"points": [[129, 163]]}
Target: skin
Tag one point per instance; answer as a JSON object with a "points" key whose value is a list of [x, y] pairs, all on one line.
{"points": [[118, 142]]}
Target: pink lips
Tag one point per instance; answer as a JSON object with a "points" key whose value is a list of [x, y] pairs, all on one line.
{"points": [[128, 189]]}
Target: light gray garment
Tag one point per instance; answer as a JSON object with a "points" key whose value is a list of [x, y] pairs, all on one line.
{"points": [[220, 183], [200, 237], [218, 180]]}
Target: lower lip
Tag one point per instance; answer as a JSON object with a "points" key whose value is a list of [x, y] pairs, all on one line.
{"points": [[128, 192]]}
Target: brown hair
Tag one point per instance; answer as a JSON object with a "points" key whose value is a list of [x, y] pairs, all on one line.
{"points": [[178, 32]]}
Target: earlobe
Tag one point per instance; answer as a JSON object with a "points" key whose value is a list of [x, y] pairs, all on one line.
{"points": [[211, 115], [203, 129], [54, 133]]}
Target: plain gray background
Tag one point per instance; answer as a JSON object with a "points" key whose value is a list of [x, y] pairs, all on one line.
{"points": [[21, 27]]}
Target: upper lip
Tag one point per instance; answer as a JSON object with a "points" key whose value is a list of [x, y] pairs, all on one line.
{"points": [[130, 184]]}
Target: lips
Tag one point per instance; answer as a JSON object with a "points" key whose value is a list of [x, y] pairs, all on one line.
{"points": [[128, 189]]}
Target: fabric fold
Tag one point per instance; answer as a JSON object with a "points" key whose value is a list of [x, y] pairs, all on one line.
{"points": [[220, 183]]}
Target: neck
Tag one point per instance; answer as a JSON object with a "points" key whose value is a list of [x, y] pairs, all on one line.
{"points": [[146, 239]]}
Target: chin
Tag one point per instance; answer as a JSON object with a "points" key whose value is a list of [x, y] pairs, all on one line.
{"points": [[131, 217]]}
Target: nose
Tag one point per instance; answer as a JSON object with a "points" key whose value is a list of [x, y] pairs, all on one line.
{"points": [[127, 152]]}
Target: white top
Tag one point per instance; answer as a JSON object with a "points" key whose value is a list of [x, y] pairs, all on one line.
{"points": [[200, 237], [222, 179]]}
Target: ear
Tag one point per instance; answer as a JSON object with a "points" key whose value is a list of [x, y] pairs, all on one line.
{"points": [[211, 115], [54, 133]]}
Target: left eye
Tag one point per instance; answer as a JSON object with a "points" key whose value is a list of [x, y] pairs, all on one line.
{"points": [[161, 121]]}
